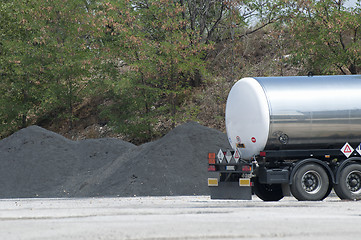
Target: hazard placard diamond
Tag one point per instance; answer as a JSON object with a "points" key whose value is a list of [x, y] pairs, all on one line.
{"points": [[347, 150], [220, 155], [228, 156], [236, 155], [358, 149]]}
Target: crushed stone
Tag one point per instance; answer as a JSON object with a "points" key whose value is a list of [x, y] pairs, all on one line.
{"points": [[35, 162]]}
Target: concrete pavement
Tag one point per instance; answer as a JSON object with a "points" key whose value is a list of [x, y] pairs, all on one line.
{"points": [[186, 217]]}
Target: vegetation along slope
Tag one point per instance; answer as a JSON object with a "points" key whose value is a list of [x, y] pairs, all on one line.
{"points": [[135, 69]]}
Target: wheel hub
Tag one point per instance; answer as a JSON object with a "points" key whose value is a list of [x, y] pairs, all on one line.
{"points": [[311, 182], [353, 182]]}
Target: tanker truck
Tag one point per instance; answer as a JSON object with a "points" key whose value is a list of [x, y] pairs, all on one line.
{"points": [[290, 136]]}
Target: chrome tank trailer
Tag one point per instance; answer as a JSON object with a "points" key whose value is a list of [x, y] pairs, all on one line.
{"points": [[270, 113]]}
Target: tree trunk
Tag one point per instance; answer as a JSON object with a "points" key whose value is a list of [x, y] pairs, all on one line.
{"points": [[352, 69], [70, 98], [23, 116]]}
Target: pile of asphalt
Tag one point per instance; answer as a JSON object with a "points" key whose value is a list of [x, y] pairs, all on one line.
{"points": [[35, 162]]}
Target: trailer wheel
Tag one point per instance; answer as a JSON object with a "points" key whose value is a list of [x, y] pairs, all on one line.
{"points": [[349, 186], [268, 192], [310, 183]]}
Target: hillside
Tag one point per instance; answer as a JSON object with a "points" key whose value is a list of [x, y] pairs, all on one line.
{"points": [[204, 104], [135, 70]]}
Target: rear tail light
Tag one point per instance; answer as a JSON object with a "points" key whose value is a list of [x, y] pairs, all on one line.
{"points": [[211, 161], [246, 168], [262, 154], [211, 168], [211, 158]]}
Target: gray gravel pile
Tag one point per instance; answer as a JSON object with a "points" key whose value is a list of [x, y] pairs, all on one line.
{"points": [[36, 162], [39, 163]]}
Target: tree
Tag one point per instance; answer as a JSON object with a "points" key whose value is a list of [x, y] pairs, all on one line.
{"points": [[47, 53], [229, 24], [217, 20], [20, 88], [327, 35], [163, 57]]}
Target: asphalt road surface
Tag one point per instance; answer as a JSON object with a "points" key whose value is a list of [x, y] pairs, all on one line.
{"points": [[193, 217]]}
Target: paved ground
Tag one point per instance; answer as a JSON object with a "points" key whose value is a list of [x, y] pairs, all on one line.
{"points": [[194, 217]]}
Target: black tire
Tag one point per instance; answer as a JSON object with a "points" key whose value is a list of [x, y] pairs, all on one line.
{"points": [[268, 192], [349, 183], [310, 183]]}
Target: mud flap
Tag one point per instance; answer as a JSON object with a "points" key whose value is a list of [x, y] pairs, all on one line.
{"points": [[231, 190]]}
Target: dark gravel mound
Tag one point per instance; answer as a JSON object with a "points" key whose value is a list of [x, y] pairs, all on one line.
{"points": [[174, 165], [36, 162], [39, 163]]}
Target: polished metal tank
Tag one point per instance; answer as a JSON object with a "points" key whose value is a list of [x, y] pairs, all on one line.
{"points": [[317, 112]]}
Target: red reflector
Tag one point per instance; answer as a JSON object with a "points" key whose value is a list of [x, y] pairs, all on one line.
{"points": [[262, 154], [211, 168], [246, 168]]}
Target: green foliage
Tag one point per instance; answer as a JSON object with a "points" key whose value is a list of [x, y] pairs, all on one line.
{"points": [[20, 89], [327, 36], [164, 45], [47, 52], [148, 57], [162, 56]]}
